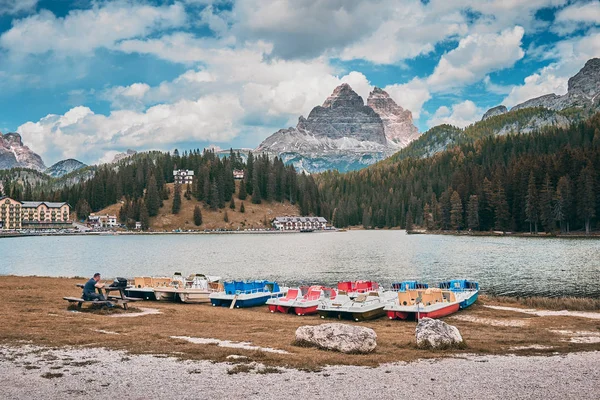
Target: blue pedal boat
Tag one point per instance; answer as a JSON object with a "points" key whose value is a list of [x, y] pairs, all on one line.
{"points": [[244, 294], [466, 290], [410, 285]]}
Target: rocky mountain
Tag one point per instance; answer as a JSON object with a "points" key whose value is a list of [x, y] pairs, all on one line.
{"points": [[120, 156], [492, 112], [344, 133], [397, 122], [13, 153], [583, 91], [64, 167], [580, 102]]}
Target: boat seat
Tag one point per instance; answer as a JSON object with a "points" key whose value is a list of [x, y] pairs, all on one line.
{"points": [[361, 298]]}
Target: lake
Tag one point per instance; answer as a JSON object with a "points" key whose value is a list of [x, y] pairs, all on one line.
{"points": [[502, 265]]}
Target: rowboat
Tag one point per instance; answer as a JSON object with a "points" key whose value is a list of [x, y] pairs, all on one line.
{"points": [[240, 294], [300, 301], [364, 306]]}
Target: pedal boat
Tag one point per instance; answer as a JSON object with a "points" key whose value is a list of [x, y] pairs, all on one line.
{"points": [[169, 292], [301, 301], [365, 306], [355, 288], [143, 287], [242, 294], [420, 303], [197, 288], [467, 291]]}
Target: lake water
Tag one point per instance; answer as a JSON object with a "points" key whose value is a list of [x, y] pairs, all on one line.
{"points": [[502, 265]]}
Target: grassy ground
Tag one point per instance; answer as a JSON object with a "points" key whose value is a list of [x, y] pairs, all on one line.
{"points": [[253, 217], [33, 310]]}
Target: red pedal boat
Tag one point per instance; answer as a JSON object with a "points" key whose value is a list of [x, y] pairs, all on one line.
{"points": [[301, 301]]}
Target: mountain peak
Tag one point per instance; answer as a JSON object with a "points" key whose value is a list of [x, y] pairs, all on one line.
{"points": [[397, 122], [587, 80], [343, 96], [13, 153]]}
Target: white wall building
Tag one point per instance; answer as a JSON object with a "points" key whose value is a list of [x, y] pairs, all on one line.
{"points": [[183, 176], [299, 223]]}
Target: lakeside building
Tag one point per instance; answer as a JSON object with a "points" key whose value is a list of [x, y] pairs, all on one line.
{"points": [[299, 223], [16, 215], [238, 174], [183, 176], [102, 221]]}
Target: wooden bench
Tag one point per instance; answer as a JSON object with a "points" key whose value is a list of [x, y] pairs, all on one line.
{"points": [[120, 300], [81, 301]]}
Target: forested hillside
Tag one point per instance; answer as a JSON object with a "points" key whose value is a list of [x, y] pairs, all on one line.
{"points": [[141, 182], [518, 182]]}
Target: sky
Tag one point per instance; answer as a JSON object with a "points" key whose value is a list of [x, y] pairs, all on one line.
{"points": [[87, 79]]}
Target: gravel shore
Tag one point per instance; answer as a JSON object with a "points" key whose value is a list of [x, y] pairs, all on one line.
{"points": [[36, 372]]}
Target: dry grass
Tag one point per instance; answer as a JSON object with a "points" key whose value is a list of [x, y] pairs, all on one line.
{"points": [[37, 313], [549, 303], [253, 217]]}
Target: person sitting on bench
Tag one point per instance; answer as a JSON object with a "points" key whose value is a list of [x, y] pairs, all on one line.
{"points": [[89, 289]]}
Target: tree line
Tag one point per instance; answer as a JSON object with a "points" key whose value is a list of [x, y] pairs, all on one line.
{"points": [[545, 180]]}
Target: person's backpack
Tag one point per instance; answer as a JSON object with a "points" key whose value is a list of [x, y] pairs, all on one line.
{"points": [[119, 283]]}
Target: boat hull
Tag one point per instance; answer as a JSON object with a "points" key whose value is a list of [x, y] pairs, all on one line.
{"points": [[352, 315], [242, 301], [306, 310], [141, 293], [165, 295], [191, 296], [437, 313], [469, 301]]}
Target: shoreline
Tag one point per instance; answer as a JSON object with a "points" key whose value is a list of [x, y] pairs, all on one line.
{"points": [[541, 235], [489, 327], [28, 371]]}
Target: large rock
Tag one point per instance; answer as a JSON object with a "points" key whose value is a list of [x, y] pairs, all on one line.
{"points": [[436, 334], [492, 112], [338, 337]]}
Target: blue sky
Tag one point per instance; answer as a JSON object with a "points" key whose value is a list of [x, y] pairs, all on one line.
{"points": [[89, 78]]}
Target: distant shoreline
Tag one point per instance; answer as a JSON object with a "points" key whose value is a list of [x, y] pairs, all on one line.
{"points": [[541, 235], [128, 233]]}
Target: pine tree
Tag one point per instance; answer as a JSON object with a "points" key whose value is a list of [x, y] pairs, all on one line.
{"points": [[232, 204], [501, 211], [473, 212], [197, 216], [83, 209], [532, 204], [226, 217], [367, 218], [563, 204], [586, 197], [546, 209], [242, 191], [456, 213], [428, 217], [256, 198], [152, 198], [242, 208], [144, 217], [176, 199], [214, 196], [409, 221]]}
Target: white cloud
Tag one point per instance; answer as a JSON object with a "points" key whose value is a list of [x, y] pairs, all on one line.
{"points": [[475, 56], [460, 114], [411, 95], [16, 6], [576, 16], [571, 55], [83, 31], [83, 134]]}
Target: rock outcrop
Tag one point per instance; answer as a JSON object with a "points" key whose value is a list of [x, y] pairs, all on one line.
{"points": [[397, 122], [583, 91], [436, 334], [492, 112], [344, 131], [13, 153], [64, 167], [338, 337], [121, 156]]}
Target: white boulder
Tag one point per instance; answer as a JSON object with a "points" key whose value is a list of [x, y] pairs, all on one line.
{"points": [[436, 334], [338, 337]]}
